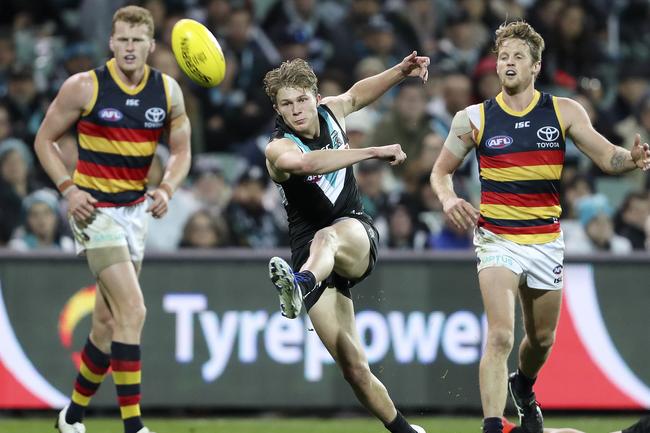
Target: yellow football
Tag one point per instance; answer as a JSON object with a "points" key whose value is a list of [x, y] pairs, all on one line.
{"points": [[198, 53]]}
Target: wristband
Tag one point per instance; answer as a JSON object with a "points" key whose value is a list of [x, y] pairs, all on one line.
{"points": [[64, 186]]}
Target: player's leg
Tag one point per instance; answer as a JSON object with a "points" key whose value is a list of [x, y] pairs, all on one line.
{"points": [[95, 360], [119, 282], [498, 289], [343, 247], [541, 311], [333, 319]]}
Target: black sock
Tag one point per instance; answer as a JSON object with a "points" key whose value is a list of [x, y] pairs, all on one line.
{"points": [[492, 425], [524, 384], [306, 280], [399, 425]]}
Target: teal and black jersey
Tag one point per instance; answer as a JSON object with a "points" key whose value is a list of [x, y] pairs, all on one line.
{"points": [[316, 201]]}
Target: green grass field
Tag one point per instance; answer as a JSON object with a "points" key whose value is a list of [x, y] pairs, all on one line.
{"points": [[304, 425]]}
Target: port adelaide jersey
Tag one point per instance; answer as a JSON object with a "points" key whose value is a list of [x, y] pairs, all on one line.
{"points": [[313, 202], [118, 135], [521, 155]]}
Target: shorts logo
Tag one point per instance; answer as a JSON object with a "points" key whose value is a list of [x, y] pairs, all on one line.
{"points": [[548, 133], [110, 114], [499, 142], [558, 270]]}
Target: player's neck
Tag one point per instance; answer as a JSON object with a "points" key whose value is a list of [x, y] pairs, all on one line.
{"points": [[518, 100], [314, 132], [132, 78]]}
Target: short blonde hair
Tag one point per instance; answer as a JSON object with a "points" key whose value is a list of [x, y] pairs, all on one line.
{"points": [[524, 31], [294, 73], [134, 15]]}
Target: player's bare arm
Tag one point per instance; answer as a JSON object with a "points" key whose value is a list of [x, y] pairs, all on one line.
{"points": [[610, 158], [457, 145], [76, 95], [285, 159], [368, 90], [180, 152]]}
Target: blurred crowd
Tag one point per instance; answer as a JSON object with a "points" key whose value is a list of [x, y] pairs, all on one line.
{"points": [[598, 52]]}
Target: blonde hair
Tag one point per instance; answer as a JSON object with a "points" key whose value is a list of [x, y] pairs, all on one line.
{"points": [[295, 73], [524, 31], [134, 15]]}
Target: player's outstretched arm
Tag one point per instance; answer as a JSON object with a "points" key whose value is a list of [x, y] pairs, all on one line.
{"points": [[456, 147], [180, 152], [76, 95], [285, 158], [610, 158], [369, 89]]}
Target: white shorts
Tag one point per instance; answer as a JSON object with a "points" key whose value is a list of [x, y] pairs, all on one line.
{"points": [[540, 266], [114, 227]]}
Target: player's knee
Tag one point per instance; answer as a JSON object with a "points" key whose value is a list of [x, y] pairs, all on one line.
{"points": [[132, 315], [327, 236], [356, 373], [543, 340], [500, 340]]}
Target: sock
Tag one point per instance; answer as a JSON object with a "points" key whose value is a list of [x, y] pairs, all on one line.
{"points": [[306, 280], [492, 425], [92, 371], [524, 384], [399, 425], [125, 361]]}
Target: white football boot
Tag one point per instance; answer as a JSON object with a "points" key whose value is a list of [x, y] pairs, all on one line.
{"points": [[64, 427], [289, 292], [418, 429]]}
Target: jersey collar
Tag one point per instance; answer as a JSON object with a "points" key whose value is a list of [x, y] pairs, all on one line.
{"points": [[112, 69], [512, 112]]}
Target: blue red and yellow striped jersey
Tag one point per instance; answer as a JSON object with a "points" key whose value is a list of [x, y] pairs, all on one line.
{"points": [[118, 134], [521, 155]]}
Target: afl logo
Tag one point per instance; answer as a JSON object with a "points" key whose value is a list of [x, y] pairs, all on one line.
{"points": [[548, 133], [110, 114], [155, 114], [499, 142]]}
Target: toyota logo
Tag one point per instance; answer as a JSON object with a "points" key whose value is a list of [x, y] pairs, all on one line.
{"points": [[156, 114], [548, 133]]}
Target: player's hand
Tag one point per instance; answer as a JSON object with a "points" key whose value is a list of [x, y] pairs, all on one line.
{"points": [[415, 66], [392, 153], [460, 212], [158, 207], [640, 153], [81, 205]]}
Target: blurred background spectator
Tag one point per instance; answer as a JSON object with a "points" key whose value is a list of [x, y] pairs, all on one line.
{"points": [[597, 52]]}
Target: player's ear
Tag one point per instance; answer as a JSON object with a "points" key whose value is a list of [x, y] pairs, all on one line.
{"points": [[537, 66], [110, 44], [153, 46], [318, 98], [275, 107]]}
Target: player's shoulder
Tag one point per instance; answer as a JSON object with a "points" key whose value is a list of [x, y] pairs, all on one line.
{"points": [[79, 87]]}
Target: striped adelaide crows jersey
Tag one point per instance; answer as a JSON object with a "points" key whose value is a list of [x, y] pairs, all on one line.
{"points": [[118, 134], [521, 155]]}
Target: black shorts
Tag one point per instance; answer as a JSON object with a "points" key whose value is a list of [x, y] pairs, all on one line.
{"points": [[300, 255]]}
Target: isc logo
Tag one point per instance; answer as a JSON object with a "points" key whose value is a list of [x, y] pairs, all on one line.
{"points": [[499, 142], [524, 124]]}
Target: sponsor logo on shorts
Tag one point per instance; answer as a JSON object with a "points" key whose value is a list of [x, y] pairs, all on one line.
{"points": [[558, 274], [497, 260], [499, 142]]}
